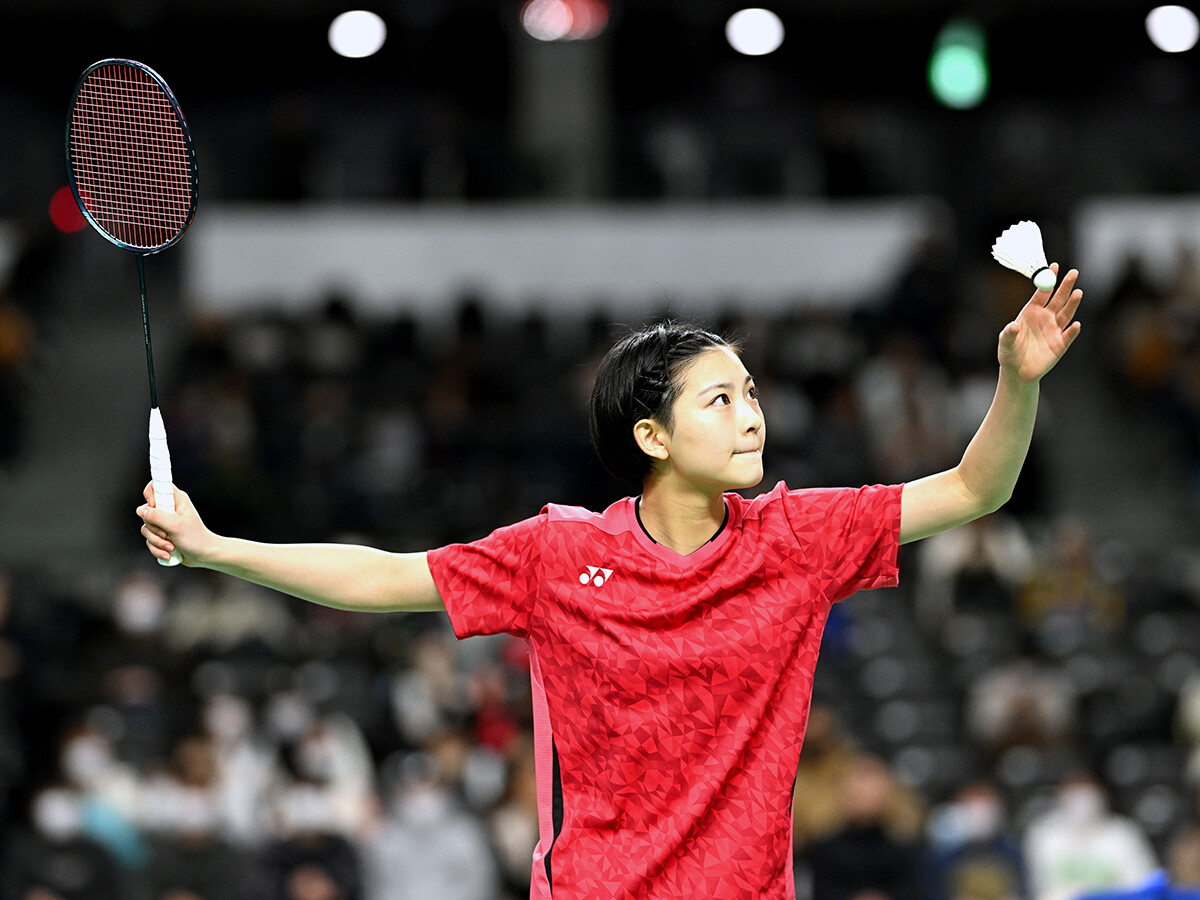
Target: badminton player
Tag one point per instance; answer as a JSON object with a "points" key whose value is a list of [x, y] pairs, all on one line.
{"points": [[673, 637]]}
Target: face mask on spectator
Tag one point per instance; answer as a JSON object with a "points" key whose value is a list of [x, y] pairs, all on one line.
{"points": [[423, 805], [981, 818], [1081, 803], [306, 809], [86, 758], [138, 606], [58, 814], [227, 717]]}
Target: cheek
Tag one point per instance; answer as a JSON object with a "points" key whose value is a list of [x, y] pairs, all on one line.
{"points": [[698, 443]]}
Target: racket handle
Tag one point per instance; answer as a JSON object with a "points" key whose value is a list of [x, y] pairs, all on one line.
{"points": [[160, 473]]}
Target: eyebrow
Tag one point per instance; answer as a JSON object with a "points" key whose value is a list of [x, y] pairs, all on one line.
{"points": [[722, 385]]}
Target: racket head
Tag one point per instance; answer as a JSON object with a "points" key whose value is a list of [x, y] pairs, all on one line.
{"points": [[130, 159]]}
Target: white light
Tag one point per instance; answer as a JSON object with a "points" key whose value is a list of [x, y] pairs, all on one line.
{"points": [[564, 20], [357, 33], [547, 20], [754, 32], [1173, 29]]}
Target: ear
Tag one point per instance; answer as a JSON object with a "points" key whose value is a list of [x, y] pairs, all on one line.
{"points": [[651, 438]]}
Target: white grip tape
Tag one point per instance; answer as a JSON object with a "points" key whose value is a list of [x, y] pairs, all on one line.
{"points": [[160, 473]]}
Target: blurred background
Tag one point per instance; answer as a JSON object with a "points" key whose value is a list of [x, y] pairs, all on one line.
{"points": [[418, 229]]}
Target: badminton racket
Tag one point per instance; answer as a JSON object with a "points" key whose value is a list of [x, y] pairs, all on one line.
{"points": [[132, 169]]}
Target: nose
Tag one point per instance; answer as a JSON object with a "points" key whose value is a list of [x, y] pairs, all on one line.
{"points": [[752, 418]]}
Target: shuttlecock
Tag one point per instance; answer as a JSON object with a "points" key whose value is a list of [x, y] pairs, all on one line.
{"points": [[1020, 248]]}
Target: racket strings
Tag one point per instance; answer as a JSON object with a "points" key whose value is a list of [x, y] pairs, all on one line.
{"points": [[130, 157]]}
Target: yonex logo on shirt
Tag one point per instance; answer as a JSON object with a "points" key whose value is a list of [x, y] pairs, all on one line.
{"points": [[594, 576]]}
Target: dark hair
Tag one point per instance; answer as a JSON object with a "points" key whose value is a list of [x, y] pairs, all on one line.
{"points": [[640, 377]]}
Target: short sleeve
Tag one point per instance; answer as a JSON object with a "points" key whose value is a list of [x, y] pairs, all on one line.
{"points": [[489, 586], [852, 534]]}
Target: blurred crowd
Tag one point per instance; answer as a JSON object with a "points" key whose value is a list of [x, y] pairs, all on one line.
{"points": [[1153, 348], [1020, 720], [223, 742]]}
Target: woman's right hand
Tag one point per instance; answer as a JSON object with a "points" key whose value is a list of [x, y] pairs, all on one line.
{"points": [[181, 530]]}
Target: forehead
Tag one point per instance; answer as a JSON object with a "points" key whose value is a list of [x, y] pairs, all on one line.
{"points": [[717, 365]]}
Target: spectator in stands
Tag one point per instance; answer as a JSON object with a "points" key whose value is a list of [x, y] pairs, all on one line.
{"points": [[429, 695], [978, 568], [219, 617], [1142, 345], [906, 399], [56, 859], [827, 763], [138, 676], [243, 766], [1070, 599], [1079, 845], [513, 824], [1182, 847], [189, 856], [1183, 858], [110, 791], [972, 855], [427, 845], [1024, 702], [864, 858], [308, 857], [332, 754]]}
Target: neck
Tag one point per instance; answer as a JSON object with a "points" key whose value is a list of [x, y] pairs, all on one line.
{"points": [[681, 522]]}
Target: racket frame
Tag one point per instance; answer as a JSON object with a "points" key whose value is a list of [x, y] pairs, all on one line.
{"points": [[189, 156]]}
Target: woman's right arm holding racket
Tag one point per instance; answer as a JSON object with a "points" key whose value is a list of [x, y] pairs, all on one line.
{"points": [[344, 576]]}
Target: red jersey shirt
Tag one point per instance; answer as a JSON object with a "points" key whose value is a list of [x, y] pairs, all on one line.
{"points": [[671, 693]]}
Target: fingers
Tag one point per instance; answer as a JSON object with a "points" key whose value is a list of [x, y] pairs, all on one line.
{"points": [[152, 526], [1047, 298], [154, 523], [1070, 334], [1064, 301], [1070, 307], [159, 527], [150, 511], [1065, 287], [1040, 297], [153, 530], [151, 515], [157, 542]]}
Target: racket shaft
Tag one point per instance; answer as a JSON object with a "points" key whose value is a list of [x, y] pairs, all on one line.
{"points": [[160, 473]]}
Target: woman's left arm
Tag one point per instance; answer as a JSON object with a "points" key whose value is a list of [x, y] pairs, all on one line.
{"points": [[984, 479]]}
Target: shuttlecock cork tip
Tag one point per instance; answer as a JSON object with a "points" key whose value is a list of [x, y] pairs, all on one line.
{"points": [[1044, 279]]}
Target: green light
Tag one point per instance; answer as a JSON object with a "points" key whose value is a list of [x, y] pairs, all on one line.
{"points": [[958, 67]]}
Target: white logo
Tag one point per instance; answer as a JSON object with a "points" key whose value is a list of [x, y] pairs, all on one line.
{"points": [[595, 576]]}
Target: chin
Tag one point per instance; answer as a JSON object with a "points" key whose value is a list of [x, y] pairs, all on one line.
{"points": [[748, 481]]}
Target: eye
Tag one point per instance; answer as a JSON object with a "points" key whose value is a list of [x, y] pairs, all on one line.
{"points": [[721, 400], [752, 393]]}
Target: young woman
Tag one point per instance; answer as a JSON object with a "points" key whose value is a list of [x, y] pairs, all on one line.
{"points": [[673, 637]]}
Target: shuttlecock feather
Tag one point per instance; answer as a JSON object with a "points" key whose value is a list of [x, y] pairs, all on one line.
{"points": [[1020, 248]]}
